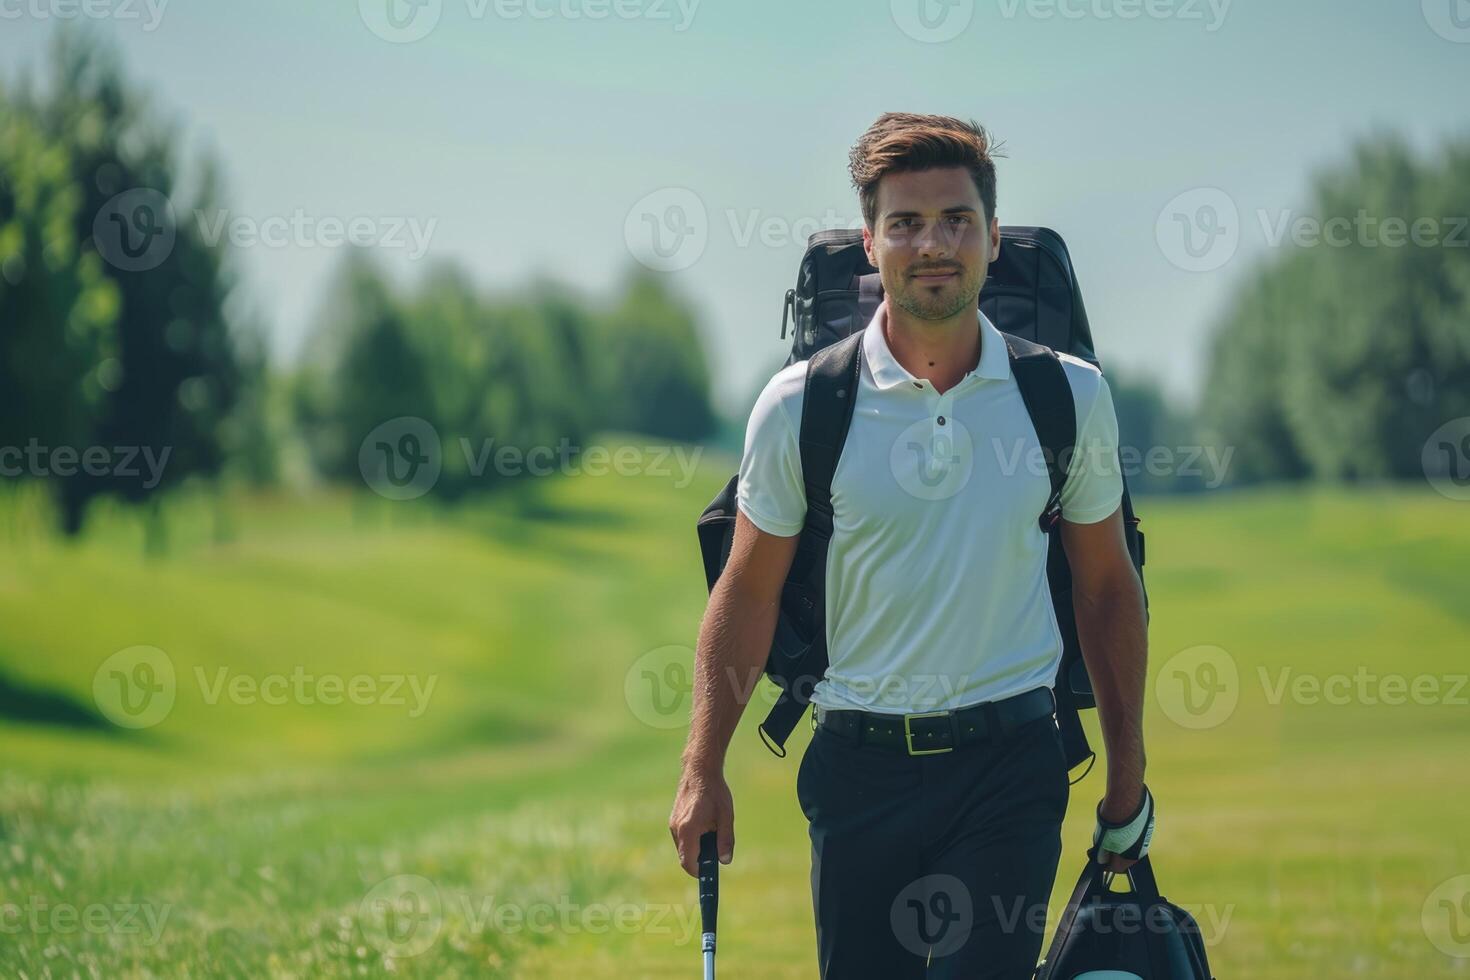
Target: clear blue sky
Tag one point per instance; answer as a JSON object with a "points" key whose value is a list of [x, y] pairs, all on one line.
{"points": [[527, 139]]}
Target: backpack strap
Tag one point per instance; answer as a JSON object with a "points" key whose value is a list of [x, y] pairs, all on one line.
{"points": [[1048, 397], [832, 376]]}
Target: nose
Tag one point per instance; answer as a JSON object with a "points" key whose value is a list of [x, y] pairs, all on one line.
{"points": [[933, 241]]}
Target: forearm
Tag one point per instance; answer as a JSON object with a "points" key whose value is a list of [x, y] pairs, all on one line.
{"points": [[734, 641], [1112, 627]]}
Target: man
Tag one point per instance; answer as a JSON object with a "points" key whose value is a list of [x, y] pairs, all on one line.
{"points": [[939, 618]]}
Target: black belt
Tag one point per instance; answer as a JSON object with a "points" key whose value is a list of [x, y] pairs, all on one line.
{"points": [[932, 732]]}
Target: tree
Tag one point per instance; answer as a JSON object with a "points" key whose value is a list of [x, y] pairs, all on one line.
{"points": [[1345, 351], [117, 341]]}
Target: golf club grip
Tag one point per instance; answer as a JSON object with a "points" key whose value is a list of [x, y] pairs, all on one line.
{"points": [[709, 884]]}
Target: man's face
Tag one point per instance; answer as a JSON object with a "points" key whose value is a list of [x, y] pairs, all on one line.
{"points": [[931, 242]]}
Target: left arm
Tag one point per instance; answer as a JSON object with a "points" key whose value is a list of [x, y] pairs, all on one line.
{"points": [[1112, 627]]}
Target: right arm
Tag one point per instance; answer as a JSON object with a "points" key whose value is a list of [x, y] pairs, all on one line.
{"points": [[734, 641]]}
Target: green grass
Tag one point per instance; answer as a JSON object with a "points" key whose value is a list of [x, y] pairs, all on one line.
{"points": [[1308, 837]]}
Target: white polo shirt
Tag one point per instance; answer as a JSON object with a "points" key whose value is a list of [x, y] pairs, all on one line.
{"points": [[937, 595]]}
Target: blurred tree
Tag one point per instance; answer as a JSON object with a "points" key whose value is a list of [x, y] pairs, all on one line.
{"points": [[1341, 354], [114, 305], [536, 368], [655, 378]]}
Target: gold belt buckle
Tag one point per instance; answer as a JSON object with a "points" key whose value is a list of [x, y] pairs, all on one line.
{"points": [[908, 733]]}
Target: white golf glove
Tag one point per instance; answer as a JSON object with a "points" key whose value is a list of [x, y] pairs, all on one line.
{"points": [[1129, 839]]}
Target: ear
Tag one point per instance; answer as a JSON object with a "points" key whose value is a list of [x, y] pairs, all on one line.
{"points": [[868, 245], [994, 239]]}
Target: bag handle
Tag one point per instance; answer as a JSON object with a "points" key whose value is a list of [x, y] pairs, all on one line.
{"points": [[1095, 879]]}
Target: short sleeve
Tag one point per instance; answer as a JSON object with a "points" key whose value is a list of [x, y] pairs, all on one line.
{"points": [[770, 491], [1094, 486]]}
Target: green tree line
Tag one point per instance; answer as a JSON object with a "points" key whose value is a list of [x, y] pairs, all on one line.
{"points": [[1342, 352]]}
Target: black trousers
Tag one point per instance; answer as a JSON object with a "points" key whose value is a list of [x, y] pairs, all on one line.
{"points": [[936, 866]]}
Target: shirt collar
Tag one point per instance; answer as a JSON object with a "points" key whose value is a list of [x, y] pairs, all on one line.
{"points": [[994, 363]]}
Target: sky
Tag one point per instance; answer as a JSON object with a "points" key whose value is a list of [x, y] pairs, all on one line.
{"points": [[1168, 141]]}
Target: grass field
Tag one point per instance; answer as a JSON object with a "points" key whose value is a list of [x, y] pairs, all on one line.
{"points": [[511, 819]]}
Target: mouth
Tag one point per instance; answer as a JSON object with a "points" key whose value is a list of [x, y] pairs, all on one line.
{"points": [[932, 277]]}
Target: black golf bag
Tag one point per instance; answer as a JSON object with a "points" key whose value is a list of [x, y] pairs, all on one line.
{"points": [[1136, 934]]}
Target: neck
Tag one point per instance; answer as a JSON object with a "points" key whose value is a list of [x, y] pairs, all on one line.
{"points": [[940, 351]]}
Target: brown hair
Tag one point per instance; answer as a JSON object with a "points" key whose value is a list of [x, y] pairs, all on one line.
{"points": [[903, 141]]}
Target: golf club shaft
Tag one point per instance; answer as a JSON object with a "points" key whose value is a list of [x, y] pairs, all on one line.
{"points": [[709, 898]]}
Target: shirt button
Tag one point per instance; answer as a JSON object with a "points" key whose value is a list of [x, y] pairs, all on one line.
{"points": [[941, 420]]}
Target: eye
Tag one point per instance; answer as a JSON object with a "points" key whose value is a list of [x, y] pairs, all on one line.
{"points": [[959, 219], [903, 222]]}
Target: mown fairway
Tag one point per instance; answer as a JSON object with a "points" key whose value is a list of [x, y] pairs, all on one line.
{"points": [[513, 822]]}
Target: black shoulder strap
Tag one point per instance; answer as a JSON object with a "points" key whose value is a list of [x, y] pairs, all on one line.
{"points": [[1048, 397], [826, 413]]}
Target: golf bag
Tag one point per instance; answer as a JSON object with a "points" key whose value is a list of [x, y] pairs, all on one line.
{"points": [[1136, 934], [1032, 295]]}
